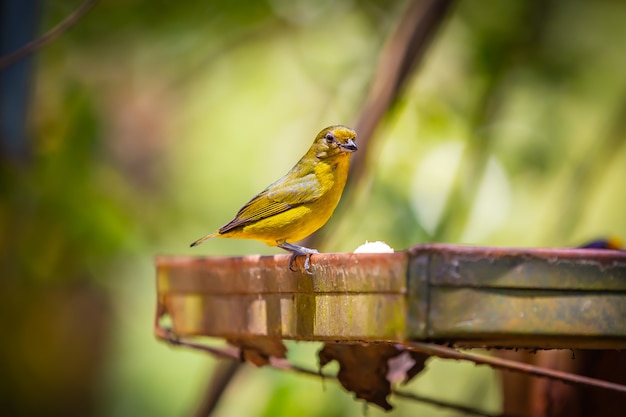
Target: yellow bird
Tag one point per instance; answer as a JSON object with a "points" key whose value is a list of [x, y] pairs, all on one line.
{"points": [[300, 202]]}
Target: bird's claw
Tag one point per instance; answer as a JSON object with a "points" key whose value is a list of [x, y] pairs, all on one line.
{"points": [[307, 264], [307, 261], [291, 259]]}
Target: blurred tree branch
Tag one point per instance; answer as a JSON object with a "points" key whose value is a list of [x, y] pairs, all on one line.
{"points": [[221, 377], [51, 35], [401, 54]]}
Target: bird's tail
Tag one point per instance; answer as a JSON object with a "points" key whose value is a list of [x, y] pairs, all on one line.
{"points": [[202, 239]]}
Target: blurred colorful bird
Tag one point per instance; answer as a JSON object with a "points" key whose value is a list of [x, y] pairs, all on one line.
{"points": [[604, 243], [300, 202]]}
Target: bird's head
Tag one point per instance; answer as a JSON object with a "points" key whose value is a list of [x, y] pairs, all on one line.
{"points": [[333, 141]]}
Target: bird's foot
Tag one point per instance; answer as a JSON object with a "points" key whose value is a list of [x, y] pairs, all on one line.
{"points": [[296, 251], [307, 261]]}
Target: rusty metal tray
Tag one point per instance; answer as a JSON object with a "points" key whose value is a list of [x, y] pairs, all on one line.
{"points": [[465, 296]]}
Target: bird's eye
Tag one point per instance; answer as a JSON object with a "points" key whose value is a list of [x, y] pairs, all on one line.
{"points": [[329, 138]]}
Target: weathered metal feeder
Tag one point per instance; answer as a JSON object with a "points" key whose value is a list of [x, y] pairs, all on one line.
{"points": [[465, 296]]}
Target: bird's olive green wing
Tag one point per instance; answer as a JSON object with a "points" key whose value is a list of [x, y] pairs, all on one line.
{"points": [[279, 197]]}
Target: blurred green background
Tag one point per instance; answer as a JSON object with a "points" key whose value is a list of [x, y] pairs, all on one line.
{"points": [[150, 123]]}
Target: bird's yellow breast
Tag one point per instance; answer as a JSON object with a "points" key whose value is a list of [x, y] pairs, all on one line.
{"points": [[299, 222]]}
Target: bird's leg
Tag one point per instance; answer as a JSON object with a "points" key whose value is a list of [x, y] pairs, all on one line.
{"points": [[297, 250]]}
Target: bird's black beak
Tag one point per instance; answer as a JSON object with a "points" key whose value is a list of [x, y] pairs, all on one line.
{"points": [[349, 146]]}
